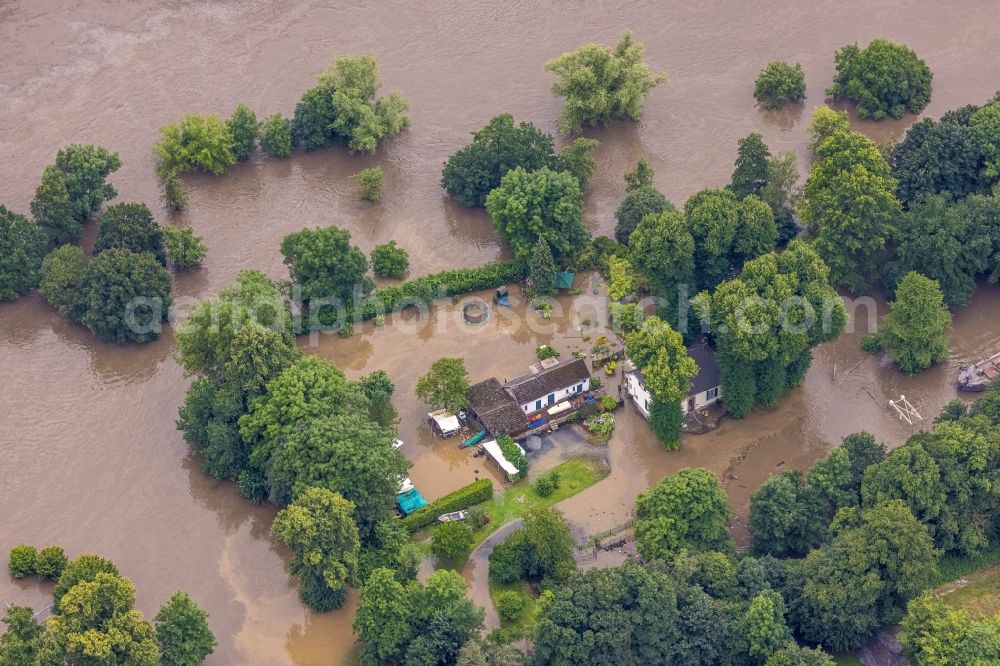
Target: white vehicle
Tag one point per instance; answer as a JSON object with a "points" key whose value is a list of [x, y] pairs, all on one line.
{"points": [[398, 444]]}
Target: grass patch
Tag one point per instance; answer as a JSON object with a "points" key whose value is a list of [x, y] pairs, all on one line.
{"points": [[847, 660], [980, 597], [524, 624], [953, 567], [575, 475]]}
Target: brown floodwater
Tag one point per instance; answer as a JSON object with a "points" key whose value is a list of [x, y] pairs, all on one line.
{"points": [[89, 455]]}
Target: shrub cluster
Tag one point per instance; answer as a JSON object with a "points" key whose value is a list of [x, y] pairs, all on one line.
{"points": [[25, 560], [513, 453], [474, 493]]}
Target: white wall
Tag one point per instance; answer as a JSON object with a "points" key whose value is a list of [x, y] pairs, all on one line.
{"points": [[642, 398], [561, 395]]}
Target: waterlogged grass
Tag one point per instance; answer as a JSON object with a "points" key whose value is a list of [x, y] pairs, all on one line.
{"points": [[575, 475], [524, 624]]}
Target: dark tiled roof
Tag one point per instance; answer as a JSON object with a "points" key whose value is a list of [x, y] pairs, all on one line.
{"points": [[496, 408], [708, 376], [529, 388]]}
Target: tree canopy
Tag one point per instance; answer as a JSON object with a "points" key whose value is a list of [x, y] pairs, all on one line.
{"points": [[883, 78], [130, 226], [22, 249], [687, 510], [915, 332], [72, 190], [779, 84], [446, 385], [325, 265], [242, 126], [750, 174], [182, 632], [529, 205], [602, 84], [344, 107]]}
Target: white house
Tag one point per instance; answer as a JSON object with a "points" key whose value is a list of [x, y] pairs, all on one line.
{"points": [[705, 389]]}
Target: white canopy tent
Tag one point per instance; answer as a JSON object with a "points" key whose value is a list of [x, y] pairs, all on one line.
{"points": [[493, 449]]}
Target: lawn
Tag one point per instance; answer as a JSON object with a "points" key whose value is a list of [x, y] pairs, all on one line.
{"points": [[523, 625], [980, 597], [575, 475]]}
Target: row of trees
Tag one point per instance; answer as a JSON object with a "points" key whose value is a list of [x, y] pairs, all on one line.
{"points": [[343, 107], [293, 430], [94, 621], [873, 524]]}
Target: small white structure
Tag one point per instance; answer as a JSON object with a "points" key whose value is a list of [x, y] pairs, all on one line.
{"points": [[494, 452], [397, 444], [550, 384], [705, 386], [905, 410], [445, 423]]}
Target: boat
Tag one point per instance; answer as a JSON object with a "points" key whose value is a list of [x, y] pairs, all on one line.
{"points": [[410, 501], [976, 377], [452, 517], [398, 444], [405, 486], [472, 441]]}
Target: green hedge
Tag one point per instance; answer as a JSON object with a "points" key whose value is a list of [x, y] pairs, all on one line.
{"points": [[463, 498], [425, 289], [512, 452]]}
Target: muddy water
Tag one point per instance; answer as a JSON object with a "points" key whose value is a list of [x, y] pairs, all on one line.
{"points": [[89, 455]]}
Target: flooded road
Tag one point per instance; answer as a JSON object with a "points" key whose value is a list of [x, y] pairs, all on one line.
{"points": [[89, 456]]}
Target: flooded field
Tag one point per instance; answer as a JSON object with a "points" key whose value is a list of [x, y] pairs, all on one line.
{"points": [[89, 457]]}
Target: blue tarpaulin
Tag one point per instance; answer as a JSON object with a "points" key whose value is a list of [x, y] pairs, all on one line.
{"points": [[410, 501]]}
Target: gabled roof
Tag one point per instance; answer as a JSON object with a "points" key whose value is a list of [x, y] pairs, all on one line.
{"points": [[708, 376], [528, 388], [496, 408]]}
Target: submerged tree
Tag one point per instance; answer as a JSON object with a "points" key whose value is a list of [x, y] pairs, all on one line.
{"points": [[182, 632], [73, 189], [542, 270], [22, 249], [130, 226], [779, 84], [124, 297], [602, 84], [750, 175], [243, 128], [446, 386], [883, 78], [915, 332]]}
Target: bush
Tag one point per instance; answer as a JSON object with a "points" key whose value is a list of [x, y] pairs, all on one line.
{"points": [[510, 605], [113, 283], [276, 136], [390, 261], [22, 249], [184, 249], [370, 181], [779, 84], [62, 276], [507, 560], [452, 541], [609, 403], [547, 483], [476, 517], [883, 78], [512, 452], [474, 493], [242, 126], [601, 425], [545, 352], [50, 562], [871, 344], [23, 560]]}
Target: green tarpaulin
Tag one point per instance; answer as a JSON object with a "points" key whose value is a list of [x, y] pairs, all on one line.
{"points": [[564, 280]]}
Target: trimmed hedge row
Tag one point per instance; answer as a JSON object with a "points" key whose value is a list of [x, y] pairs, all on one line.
{"points": [[424, 290], [512, 452], [463, 498]]}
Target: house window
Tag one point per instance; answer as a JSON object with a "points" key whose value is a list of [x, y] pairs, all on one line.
{"points": [[538, 404], [712, 394]]}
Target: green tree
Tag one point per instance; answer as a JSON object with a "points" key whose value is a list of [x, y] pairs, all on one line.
{"points": [[19, 644], [51, 562], [489, 653], [686, 510], [659, 352], [641, 176], [390, 261], [543, 545], [344, 107], [862, 452], [935, 634], [84, 568], [346, 453], [637, 204], [276, 136], [184, 249], [416, 623], [712, 218], [984, 126], [621, 278], [242, 125], [85, 169], [832, 477], [786, 516], [915, 332], [21, 562], [319, 528], [130, 226], [325, 265], [124, 297], [781, 193], [750, 174], [446, 386], [800, 656], [602, 84], [576, 158], [370, 182], [662, 250], [529, 205], [779, 84], [764, 625], [53, 209], [196, 143], [542, 270], [882, 78], [98, 624], [850, 197], [615, 615], [22, 248], [475, 170], [863, 578], [757, 232], [182, 632], [451, 541], [378, 388]]}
